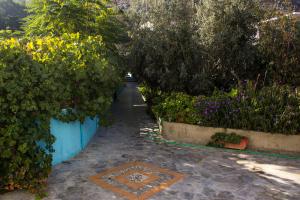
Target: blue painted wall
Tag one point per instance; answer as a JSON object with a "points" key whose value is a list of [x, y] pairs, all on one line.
{"points": [[88, 130], [71, 138]]}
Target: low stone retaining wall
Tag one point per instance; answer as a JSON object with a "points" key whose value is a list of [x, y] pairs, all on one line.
{"points": [[194, 134]]}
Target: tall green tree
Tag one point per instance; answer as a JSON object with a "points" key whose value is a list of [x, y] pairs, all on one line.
{"points": [[227, 30], [88, 17], [165, 52], [279, 43]]}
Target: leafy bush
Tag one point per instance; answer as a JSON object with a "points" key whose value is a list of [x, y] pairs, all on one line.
{"points": [[219, 139], [38, 79], [7, 34], [195, 46], [219, 109], [152, 96], [207, 48], [26, 105], [177, 107], [55, 72], [86, 17], [80, 64], [271, 109]]}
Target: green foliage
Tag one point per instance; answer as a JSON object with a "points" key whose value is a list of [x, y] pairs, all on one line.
{"points": [[67, 68], [279, 43], [68, 77], [273, 109], [58, 17], [227, 30], [149, 94], [55, 18], [164, 51], [207, 48], [152, 97], [87, 17], [219, 139], [196, 46], [84, 79], [26, 104], [217, 110], [177, 107], [7, 34]]}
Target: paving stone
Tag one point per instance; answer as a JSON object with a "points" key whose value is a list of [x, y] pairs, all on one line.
{"points": [[211, 174], [188, 196], [225, 195]]}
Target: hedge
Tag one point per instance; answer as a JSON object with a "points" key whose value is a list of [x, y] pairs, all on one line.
{"points": [[38, 78], [274, 109]]}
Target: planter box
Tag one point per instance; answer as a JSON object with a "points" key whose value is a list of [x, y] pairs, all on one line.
{"points": [[241, 146], [71, 138], [194, 134]]}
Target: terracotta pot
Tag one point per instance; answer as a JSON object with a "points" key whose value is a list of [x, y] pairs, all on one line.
{"points": [[241, 146]]}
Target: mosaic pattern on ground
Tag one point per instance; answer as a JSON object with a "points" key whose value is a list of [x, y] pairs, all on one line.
{"points": [[136, 180]]}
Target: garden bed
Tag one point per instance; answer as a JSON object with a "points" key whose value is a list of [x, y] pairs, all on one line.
{"points": [[194, 134]]}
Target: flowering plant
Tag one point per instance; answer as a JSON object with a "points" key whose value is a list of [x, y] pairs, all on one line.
{"points": [[270, 109]]}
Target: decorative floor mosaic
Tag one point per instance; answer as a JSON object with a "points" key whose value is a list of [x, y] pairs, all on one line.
{"points": [[136, 180]]}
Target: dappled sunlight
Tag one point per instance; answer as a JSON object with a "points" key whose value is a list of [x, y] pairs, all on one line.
{"points": [[279, 173], [149, 129], [141, 105], [188, 165]]}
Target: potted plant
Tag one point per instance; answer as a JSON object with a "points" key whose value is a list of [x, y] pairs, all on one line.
{"points": [[230, 141]]}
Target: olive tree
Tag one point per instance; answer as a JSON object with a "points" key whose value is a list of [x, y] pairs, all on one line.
{"points": [[227, 30], [165, 52]]}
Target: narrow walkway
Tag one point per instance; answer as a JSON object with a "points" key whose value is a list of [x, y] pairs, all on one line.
{"points": [[211, 173]]}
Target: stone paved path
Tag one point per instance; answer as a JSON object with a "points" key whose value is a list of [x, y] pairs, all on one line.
{"points": [[212, 174]]}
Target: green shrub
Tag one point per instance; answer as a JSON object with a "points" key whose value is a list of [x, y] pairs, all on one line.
{"points": [[270, 109], [218, 109], [219, 139], [177, 107], [7, 34], [38, 79], [274, 109], [26, 105], [152, 96], [55, 72], [84, 75]]}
